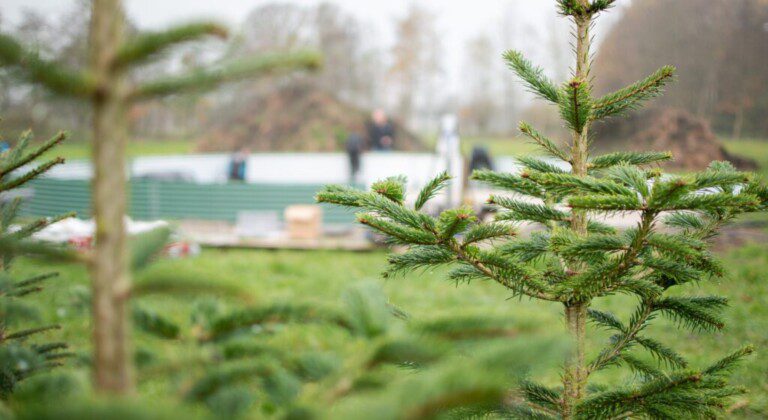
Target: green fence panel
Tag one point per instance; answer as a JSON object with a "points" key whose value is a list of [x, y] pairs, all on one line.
{"points": [[150, 200]]}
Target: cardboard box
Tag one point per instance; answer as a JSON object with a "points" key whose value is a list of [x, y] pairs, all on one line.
{"points": [[304, 221]]}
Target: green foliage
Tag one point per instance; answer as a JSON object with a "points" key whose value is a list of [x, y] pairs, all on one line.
{"points": [[22, 353], [631, 97], [202, 80], [576, 259], [146, 45], [533, 76]]}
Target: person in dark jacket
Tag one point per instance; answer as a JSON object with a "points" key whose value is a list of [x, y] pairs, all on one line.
{"points": [[238, 165], [355, 144], [481, 159], [381, 132]]}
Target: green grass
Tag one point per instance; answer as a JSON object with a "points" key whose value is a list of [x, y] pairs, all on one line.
{"points": [[752, 148], [82, 150], [321, 277]]}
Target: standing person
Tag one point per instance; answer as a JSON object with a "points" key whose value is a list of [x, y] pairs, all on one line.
{"points": [[238, 165], [381, 132], [354, 150]]}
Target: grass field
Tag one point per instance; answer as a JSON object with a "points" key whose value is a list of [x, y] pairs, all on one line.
{"points": [[82, 150], [321, 277], [262, 277]]}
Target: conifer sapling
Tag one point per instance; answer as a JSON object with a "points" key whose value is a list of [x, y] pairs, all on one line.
{"points": [[576, 260]]}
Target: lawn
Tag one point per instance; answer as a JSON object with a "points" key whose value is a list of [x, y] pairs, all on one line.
{"points": [[260, 277], [82, 150], [253, 278]]}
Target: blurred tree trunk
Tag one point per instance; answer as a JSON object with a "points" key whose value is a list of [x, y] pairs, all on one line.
{"points": [[109, 270]]}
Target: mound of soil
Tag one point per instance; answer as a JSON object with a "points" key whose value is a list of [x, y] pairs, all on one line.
{"points": [[296, 117], [689, 138]]}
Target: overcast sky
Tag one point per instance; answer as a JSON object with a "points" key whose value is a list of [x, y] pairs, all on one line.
{"points": [[457, 20]]}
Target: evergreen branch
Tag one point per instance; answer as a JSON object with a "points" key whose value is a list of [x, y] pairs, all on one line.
{"points": [[576, 105], [51, 75], [469, 328], [40, 224], [532, 249], [340, 195], [431, 189], [605, 319], [481, 232], [677, 271], [693, 313], [520, 211], [396, 212], [575, 246], [155, 324], [36, 280], [524, 283], [726, 364], [629, 176], [618, 403], [600, 5], [274, 313], [406, 353], [641, 367], [509, 182], [454, 221], [611, 274], [146, 45], [23, 291], [538, 165], [418, 257], [629, 158], [604, 202], [593, 226], [573, 8], [405, 235], [620, 341], [632, 96], [533, 76], [10, 246], [466, 273], [392, 188], [724, 179], [202, 80], [688, 249], [12, 164], [49, 347], [571, 184], [661, 352], [544, 142], [31, 331], [146, 246], [34, 173], [684, 220], [541, 396]]}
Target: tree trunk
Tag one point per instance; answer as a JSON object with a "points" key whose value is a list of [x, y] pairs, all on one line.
{"points": [[109, 269], [574, 378]]}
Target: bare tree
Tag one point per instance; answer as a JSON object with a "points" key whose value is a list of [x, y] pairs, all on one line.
{"points": [[479, 107], [415, 60]]}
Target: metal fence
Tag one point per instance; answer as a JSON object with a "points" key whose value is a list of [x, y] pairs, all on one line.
{"points": [[152, 199]]}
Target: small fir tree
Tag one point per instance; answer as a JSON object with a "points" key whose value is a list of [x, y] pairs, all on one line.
{"points": [[106, 86], [22, 352], [576, 260]]}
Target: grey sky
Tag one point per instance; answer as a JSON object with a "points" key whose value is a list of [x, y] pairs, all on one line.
{"points": [[457, 20]]}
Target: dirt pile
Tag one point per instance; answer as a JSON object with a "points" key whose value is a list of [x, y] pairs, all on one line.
{"points": [[689, 138], [296, 117]]}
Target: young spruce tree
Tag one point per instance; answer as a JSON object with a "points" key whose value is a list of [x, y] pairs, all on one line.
{"points": [[576, 260], [105, 84], [22, 352]]}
